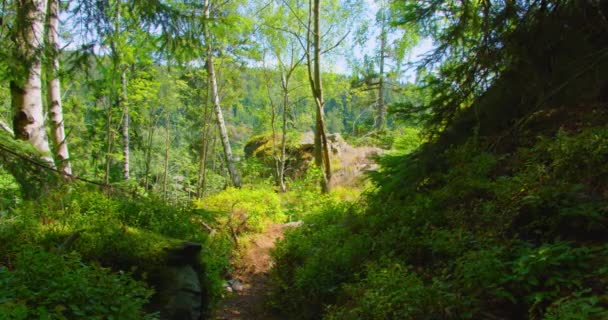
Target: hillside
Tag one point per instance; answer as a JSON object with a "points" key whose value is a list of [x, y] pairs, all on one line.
{"points": [[501, 214]]}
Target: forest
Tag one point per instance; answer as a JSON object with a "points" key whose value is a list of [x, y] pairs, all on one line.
{"points": [[293, 159]]}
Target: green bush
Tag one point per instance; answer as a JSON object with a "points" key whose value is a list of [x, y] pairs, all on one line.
{"points": [[45, 285], [392, 292], [10, 195], [249, 207], [314, 260], [406, 141]]}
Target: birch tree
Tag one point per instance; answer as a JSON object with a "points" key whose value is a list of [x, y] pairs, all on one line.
{"points": [[219, 117], [58, 136], [26, 84]]}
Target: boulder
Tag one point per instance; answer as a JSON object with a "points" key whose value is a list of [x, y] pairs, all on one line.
{"points": [[184, 295], [349, 163], [181, 293]]}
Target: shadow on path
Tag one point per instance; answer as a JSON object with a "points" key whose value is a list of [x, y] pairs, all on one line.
{"points": [[252, 273]]}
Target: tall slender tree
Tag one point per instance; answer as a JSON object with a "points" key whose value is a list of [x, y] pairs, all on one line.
{"points": [[335, 14], [58, 136], [383, 66], [313, 58], [380, 122], [124, 102], [280, 37], [118, 44], [234, 174]]}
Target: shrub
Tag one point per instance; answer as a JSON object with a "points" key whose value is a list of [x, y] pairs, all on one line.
{"points": [[314, 261], [393, 292], [407, 141], [44, 285], [250, 208], [578, 306]]}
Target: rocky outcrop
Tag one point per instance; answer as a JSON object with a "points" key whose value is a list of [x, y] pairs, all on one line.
{"points": [[299, 153], [349, 163]]}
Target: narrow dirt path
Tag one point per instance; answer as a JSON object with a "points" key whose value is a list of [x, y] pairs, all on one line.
{"points": [[252, 273]]}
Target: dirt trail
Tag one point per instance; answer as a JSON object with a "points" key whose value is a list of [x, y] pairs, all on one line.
{"points": [[252, 273]]}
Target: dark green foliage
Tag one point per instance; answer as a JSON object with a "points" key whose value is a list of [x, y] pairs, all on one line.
{"points": [[498, 61], [392, 292], [331, 255], [11, 193], [119, 233], [43, 285], [25, 164], [483, 235]]}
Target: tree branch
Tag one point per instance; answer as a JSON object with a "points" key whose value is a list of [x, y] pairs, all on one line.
{"points": [[336, 44], [6, 128], [295, 14]]}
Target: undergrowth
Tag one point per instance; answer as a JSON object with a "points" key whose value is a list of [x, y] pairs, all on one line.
{"points": [[43, 285], [98, 247], [483, 235]]}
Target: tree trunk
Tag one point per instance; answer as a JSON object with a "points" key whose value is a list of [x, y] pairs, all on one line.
{"points": [[273, 115], [109, 141], [199, 176], [282, 158], [202, 158], [166, 167], [125, 124], [212, 152], [148, 153], [381, 108], [202, 169], [286, 74], [26, 90], [58, 137], [321, 146], [234, 175]]}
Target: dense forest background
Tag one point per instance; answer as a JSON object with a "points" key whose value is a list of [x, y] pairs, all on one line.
{"points": [[148, 147]]}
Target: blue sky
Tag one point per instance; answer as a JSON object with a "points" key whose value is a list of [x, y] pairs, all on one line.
{"points": [[339, 63], [424, 46]]}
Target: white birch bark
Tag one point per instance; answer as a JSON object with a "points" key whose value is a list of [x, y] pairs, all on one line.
{"points": [[26, 93], [234, 175], [62, 155]]}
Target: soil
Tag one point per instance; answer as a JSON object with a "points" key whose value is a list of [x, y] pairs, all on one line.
{"points": [[252, 271]]}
